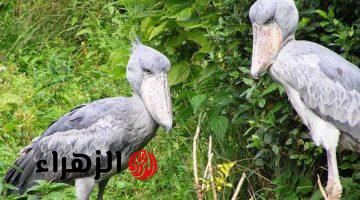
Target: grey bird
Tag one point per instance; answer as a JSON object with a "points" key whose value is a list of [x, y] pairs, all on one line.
{"points": [[121, 124], [323, 87]]}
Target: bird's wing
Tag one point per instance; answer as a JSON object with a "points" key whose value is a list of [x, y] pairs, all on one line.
{"points": [[84, 130], [328, 84], [104, 135], [81, 117]]}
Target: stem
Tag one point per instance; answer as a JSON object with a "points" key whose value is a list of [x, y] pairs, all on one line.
{"points": [[196, 177], [237, 191]]}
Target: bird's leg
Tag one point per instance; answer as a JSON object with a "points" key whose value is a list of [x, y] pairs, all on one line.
{"points": [[84, 187], [102, 185], [323, 133], [333, 188]]}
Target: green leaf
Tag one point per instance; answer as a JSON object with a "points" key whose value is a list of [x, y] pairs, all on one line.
{"points": [[304, 186], [201, 5], [111, 9], [74, 20], [157, 30], [185, 14], [244, 70], [345, 165], [270, 88], [197, 100], [262, 103], [219, 125], [118, 56], [194, 22], [323, 14], [174, 8], [174, 42], [304, 21], [208, 71], [146, 23], [198, 36], [331, 13], [288, 142], [9, 186], [179, 73], [276, 107], [248, 82], [323, 24], [7, 99], [84, 31], [275, 149], [316, 196]]}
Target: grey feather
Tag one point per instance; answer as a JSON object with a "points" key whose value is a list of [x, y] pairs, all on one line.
{"points": [[107, 125], [322, 86], [327, 83]]}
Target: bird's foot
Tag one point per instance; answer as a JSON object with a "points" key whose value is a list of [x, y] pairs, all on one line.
{"points": [[334, 190]]}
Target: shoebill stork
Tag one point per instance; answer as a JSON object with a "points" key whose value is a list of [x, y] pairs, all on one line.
{"points": [[121, 124], [323, 87]]}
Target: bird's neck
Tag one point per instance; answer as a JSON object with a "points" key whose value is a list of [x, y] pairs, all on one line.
{"points": [[140, 107], [289, 39], [138, 104], [144, 123]]}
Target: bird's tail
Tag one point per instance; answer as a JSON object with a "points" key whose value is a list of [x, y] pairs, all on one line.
{"points": [[21, 172]]}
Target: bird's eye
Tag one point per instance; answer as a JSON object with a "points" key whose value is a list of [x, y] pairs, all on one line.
{"points": [[269, 21], [147, 71]]}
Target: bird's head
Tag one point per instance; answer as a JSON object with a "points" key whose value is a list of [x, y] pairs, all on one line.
{"points": [[274, 24], [147, 74]]}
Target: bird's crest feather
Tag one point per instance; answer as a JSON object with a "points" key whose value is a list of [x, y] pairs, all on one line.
{"points": [[136, 43]]}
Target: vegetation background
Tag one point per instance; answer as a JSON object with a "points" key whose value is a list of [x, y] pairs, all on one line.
{"points": [[55, 55]]}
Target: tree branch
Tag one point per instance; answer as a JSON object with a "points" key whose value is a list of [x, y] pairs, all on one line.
{"points": [[212, 182], [237, 191], [196, 177]]}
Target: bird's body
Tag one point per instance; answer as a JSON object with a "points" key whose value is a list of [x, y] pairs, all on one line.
{"points": [[116, 126], [328, 85], [323, 87], [112, 124]]}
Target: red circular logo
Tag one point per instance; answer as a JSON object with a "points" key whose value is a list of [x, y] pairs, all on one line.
{"points": [[142, 164]]}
